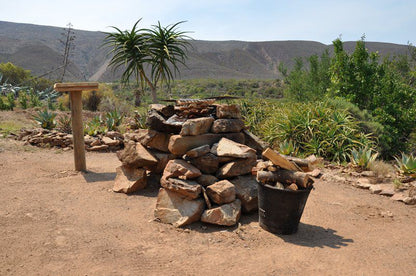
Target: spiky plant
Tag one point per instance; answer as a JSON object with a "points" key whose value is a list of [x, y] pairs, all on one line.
{"points": [[406, 165], [45, 119], [363, 157], [65, 124]]}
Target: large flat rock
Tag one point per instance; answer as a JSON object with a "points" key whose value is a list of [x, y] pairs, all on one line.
{"points": [[188, 188], [129, 180], [179, 145], [227, 214], [196, 126], [175, 209], [136, 155]]}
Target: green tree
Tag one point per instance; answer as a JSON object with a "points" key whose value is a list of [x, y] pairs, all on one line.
{"points": [[160, 48], [13, 74]]}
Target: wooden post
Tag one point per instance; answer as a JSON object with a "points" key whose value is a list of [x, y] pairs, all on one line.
{"points": [[75, 90]]}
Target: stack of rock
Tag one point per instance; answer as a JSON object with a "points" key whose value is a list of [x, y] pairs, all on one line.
{"points": [[199, 148], [110, 141], [45, 138]]}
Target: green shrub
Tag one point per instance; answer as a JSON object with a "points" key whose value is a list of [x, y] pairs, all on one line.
{"points": [[45, 119], [10, 101], [23, 99]]}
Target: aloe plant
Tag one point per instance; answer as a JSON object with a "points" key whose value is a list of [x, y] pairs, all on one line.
{"points": [[45, 119], [287, 147], [113, 119], [65, 124], [363, 157], [406, 164]]}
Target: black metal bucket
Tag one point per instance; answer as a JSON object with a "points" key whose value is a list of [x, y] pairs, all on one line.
{"points": [[280, 210]]}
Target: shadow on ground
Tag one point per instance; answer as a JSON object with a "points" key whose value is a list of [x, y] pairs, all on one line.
{"points": [[91, 176], [316, 236]]}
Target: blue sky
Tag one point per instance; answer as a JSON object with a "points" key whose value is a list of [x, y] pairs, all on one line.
{"points": [[261, 20]]}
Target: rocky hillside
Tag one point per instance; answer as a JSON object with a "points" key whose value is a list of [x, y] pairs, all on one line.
{"points": [[37, 48]]}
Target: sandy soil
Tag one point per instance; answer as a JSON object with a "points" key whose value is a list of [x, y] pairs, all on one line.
{"points": [[55, 221]]}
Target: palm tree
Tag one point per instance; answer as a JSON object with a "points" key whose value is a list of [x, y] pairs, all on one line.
{"points": [[128, 49], [167, 47], [160, 48]]}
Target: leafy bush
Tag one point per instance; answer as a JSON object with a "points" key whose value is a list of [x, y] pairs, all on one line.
{"points": [[45, 119], [363, 158], [10, 101], [23, 99]]}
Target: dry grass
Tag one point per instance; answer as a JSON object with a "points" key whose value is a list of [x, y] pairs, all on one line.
{"points": [[382, 168]]}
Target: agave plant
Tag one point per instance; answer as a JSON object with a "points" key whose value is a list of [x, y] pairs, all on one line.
{"points": [[406, 164], [45, 119], [113, 119], [363, 157]]}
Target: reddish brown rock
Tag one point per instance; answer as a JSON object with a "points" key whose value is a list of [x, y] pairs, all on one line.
{"points": [[165, 110], [226, 147], [175, 209], [150, 138], [206, 180], [227, 214], [228, 111], [162, 160], [98, 148], [110, 142], [221, 192], [247, 192], [114, 135], [157, 122], [197, 152], [189, 189], [135, 155], [236, 168], [179, 145], [196, 126], [181, 169], [227, 125], [129, 180], [207, 163]]}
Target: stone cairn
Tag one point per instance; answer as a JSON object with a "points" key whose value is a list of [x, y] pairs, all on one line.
{"points": [[205, 158]]}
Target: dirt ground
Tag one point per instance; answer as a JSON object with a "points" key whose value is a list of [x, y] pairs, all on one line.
{"points": [[55, 221]]}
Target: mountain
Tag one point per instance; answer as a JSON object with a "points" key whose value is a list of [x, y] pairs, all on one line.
{"points": [[38, 49]]}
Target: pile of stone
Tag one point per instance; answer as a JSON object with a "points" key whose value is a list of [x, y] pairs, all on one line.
{"points": [[204, 156], [111, 141], [45, 138]]}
